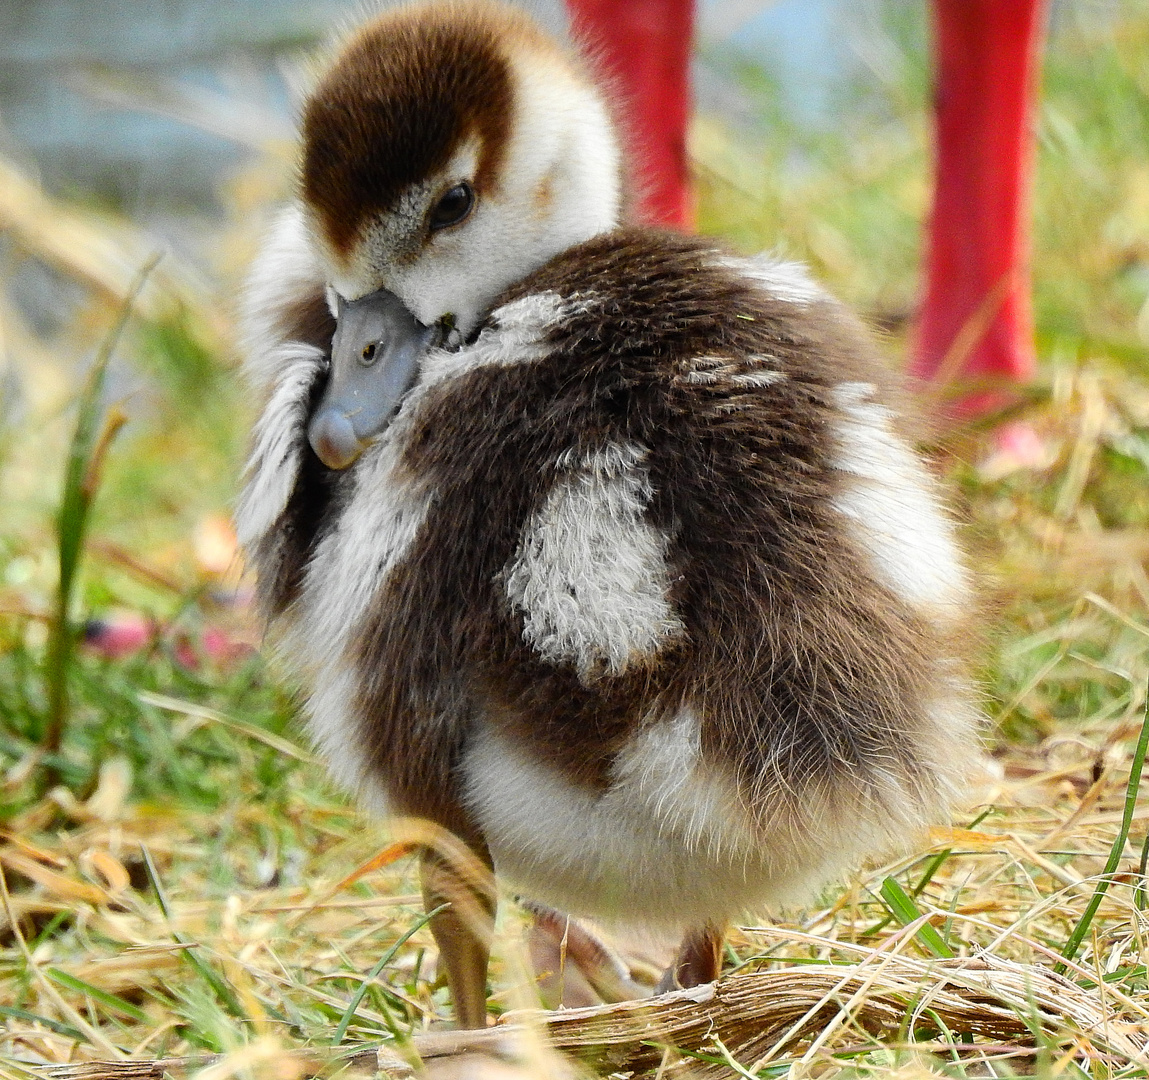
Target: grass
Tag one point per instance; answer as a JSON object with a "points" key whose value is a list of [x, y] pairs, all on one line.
{"points": [[173, 890], [90, 443]]}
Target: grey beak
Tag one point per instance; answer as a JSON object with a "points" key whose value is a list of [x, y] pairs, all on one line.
{"points": [[375, 358]]}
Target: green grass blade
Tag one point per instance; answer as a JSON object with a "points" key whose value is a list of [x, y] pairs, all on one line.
{"points": [[932, 867], [90, 441], [905, 911], [387, 957], [733, 1062], [1138, 971], [52, 1025], [111, 1001], [218, 986], [154, 881], [1114, 860]]}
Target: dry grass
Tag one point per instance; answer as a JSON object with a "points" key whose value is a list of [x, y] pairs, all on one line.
{"points": [[844, 986]]}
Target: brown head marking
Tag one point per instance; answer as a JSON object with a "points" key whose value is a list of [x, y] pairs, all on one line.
{"points": [[406, 92]]}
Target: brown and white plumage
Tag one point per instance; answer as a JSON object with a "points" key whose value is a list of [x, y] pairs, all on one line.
{"points": [[641, 591]]}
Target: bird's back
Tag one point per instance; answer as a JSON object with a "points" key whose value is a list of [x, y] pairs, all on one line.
{"points": [[643, 581]]}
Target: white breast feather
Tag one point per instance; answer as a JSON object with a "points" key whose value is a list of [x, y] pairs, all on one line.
{"points": [[669, 842], [589, 575]]}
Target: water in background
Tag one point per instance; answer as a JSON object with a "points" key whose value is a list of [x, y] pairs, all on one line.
{"points": [[75, 73]]}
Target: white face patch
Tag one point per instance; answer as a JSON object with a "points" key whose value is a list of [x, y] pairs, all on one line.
{"points": [[279, 437], [398, 241], [589, 575], [894, 508], [396, 236], [789, 281]]}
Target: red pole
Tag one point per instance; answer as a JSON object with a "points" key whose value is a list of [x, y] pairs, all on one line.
{"points": [[976, 322], [644, 47]]}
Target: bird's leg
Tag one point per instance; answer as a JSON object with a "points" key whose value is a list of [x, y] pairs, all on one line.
{"points": [[699, 959], [462, 931], [574, 967]]}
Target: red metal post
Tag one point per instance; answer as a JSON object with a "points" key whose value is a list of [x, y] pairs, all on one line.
{"points": [[644, 47], [977, 321]]}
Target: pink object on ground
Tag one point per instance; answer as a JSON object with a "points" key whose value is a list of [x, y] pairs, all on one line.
{"points": [[213, 645], [1022, 443], [1017, 447], [118, 635], [644, 47], [222, 648], [977, 321], [124, 633]]}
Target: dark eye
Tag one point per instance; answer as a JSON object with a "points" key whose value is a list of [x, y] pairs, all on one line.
{"points": [[453, 207]]}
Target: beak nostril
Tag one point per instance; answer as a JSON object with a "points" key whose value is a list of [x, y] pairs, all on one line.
{"points": [[368, 353]]}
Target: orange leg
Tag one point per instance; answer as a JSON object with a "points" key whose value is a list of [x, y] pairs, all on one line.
{"points": [[463, 931]]}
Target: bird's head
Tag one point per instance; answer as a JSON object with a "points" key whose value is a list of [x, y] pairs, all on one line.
{"points": [[448, 151]]}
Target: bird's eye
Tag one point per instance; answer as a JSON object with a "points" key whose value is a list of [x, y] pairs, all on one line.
{"points": [[453, 207]]}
